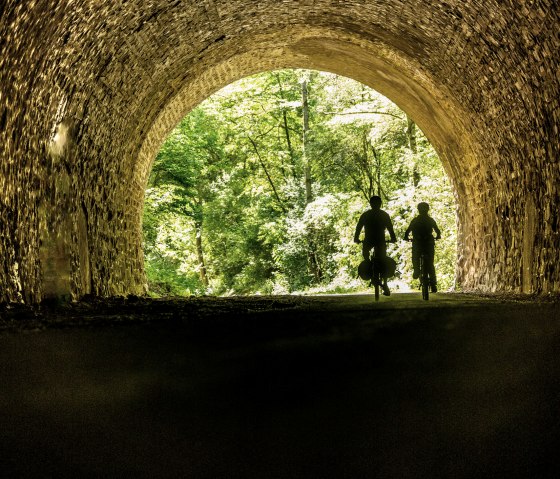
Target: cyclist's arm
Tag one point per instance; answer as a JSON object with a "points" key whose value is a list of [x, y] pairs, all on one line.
{"points": [[359, 227], [407, 232], [436, 229], [391, 230]]}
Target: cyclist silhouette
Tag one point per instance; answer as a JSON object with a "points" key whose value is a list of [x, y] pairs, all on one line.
{"points": [[374, 222], [423, 242]]}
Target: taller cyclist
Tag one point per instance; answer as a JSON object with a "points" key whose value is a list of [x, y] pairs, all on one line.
{"points": [[374, 222]]}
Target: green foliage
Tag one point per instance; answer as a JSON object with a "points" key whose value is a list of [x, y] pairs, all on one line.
{"points": [[232, 175], [171, 265]]}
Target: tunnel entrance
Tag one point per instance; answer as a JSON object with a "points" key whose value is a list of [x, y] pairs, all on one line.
{"points": [[259, 189], [479, 79]]}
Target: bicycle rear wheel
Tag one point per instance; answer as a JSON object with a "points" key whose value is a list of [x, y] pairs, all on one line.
{"points": [[424, 279], [375, 278]]}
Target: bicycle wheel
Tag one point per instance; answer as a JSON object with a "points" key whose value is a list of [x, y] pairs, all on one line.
{"points": [[375, 277], [424, 279]]}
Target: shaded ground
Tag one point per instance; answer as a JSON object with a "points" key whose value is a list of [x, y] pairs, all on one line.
{"points": [[281, 387]]}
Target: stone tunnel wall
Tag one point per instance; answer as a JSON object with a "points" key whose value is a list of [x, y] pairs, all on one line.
{"points": [[89, 89]]}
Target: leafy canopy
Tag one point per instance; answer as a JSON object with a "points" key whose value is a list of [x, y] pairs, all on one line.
{"points": [[226, 209]]}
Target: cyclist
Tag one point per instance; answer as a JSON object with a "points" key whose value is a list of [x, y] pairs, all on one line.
{"points": [[374, 222], [423, 242]]}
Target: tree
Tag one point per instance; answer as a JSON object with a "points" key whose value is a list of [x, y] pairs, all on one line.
{"points": [[260, 187]]}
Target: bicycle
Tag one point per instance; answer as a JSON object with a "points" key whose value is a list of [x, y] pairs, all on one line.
{"points": [[424, 277], [376, 273]]}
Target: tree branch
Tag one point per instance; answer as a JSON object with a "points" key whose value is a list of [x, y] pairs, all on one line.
{"points": [[362, 113], [280, 202]]}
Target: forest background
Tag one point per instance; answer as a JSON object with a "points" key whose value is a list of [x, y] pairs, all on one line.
{"points": [[259, 189]]}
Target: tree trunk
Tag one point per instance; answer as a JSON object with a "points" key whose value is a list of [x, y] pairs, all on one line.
{"points": [[198, 222], [411, 134], [368, 166], [200, 254], [306, 162], [286, 128], [378, 158], [376, 163], [312, 254]]}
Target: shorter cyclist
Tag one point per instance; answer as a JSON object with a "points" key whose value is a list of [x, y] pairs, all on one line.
{"points": [[423, 242], [375, 222]]}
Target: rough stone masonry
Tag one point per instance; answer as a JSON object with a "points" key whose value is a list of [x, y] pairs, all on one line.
{"points": [[89, 89]]}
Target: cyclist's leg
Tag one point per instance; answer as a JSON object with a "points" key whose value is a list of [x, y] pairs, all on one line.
{"points": [[381, 254], [430, 254], [366, 248], [377, 252], [416, 252]]}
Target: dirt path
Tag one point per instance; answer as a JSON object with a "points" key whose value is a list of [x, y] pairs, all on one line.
{"points": [[281, 387]]}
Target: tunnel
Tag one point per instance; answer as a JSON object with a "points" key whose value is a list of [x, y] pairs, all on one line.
{"points": [[90, 90]]}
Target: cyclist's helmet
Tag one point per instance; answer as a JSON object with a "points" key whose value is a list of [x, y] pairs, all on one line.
{"points": [[423, 207], [375, 202]]}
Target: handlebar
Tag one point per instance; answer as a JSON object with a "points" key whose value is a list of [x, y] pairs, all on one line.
{"points": [[405, 239], [386, 241], [434, 238]]}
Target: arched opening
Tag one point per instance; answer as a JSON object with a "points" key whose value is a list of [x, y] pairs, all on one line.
{"points": [[428, 106], [258, 190]]}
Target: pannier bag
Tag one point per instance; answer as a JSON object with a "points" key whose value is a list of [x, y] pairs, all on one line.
{"points": [[389, 268], [364, 270]]}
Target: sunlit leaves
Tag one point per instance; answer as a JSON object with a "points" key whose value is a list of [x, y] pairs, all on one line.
{"points": [[232, 173]]}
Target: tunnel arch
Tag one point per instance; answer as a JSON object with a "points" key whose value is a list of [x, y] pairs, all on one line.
{"points": [[93, 88]]}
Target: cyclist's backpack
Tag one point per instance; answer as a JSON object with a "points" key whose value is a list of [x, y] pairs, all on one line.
{"points": [[364, 270]]}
